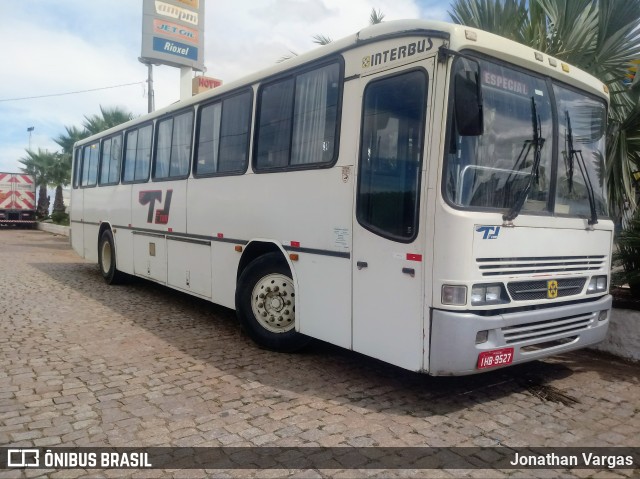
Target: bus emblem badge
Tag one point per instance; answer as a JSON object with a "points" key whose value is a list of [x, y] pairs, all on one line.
{"points": [[552, 289], [150, 198], [489, 232]]}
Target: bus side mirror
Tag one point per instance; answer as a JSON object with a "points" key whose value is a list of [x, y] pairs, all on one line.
{"points": [[468, 102]]}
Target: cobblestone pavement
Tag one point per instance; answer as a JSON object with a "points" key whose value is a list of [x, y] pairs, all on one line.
{"points": [[86, 364]]}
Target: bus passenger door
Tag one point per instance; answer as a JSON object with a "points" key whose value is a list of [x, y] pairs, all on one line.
{"points": [[388, 239]]}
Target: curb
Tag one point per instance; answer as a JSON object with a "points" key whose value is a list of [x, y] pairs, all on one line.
{"points": [[55, 229], [623, 338]]}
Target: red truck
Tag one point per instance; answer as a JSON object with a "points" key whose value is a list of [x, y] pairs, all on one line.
{"points": [[17, 199]]}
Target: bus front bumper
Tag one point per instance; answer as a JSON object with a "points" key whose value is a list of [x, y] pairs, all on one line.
{"points": [[532, 335]]}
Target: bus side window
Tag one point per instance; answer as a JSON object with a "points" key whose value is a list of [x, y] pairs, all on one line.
{"points": [[90, 164], [105, 162], [143, 153], [274, 124], [173, 146], [223, 136], [110, 160], [130, 155], [298, 120], [208, 139], [163, 148], [137, 155], [234, 133], [315, 116], [116, 158]]}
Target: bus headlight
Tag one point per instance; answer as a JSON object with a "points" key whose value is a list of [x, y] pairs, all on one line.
{"points": [[483, 294], [598, 284], [454, 294]]}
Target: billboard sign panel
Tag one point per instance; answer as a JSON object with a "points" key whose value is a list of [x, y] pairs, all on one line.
{"points": [[173, 33]]}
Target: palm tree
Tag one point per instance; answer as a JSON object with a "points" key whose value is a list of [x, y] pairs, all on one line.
{"points": [[598, 36], [376, 16], [59, 175], [108, 118], [39, 164], [321, 39], [67, 140]]}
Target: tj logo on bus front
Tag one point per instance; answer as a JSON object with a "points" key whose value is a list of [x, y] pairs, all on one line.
{"points": [[489, 232], [150, 198]]}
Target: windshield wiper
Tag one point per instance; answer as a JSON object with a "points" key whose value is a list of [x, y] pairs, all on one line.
{"points": [[569, 159], [537, 141]]}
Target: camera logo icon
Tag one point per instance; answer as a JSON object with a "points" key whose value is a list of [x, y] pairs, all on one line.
{"points": [[23, 457]]}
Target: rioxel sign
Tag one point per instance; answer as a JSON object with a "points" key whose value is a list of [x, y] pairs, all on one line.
{"points": [[173, 32]]}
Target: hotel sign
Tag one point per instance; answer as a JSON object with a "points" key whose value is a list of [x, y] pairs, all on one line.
{"points": [[201, 84], [173, 33]]}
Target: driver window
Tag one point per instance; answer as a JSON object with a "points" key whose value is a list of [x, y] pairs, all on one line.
{"points": [[391, 155]]}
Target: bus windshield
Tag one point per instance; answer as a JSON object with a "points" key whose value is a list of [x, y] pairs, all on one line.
{"points": [[514, 156]]}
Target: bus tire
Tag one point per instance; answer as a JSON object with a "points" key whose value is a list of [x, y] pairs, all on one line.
{"points": [[265, 304], [107, 259]]}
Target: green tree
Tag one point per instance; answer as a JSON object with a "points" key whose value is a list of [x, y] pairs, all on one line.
{"points": [[376, 16], [67, 140], [628, 257], [58, 176], [61, 174], [598, 36], [39, 164], [108, 118]]}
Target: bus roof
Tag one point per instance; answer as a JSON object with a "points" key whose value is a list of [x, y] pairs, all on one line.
{"points": [[458, 38]]}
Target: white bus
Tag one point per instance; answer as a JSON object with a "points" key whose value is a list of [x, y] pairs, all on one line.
{"points": [[427, 194]]}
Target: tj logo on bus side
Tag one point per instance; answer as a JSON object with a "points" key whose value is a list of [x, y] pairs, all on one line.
{"points": [[489, 232], [150, 198]]}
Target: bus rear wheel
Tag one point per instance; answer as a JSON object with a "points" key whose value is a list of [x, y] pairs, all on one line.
{"points": [[107, 259], [265, 304]]}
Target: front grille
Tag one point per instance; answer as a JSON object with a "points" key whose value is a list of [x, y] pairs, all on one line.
{"points": [[545, 329], [536, 265], [532, 290]]}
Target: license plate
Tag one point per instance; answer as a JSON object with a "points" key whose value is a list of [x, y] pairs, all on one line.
{"points": [[497, 357]]}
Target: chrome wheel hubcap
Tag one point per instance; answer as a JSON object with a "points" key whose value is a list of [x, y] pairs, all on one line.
{"points": [[273, 303], [106, 257]]}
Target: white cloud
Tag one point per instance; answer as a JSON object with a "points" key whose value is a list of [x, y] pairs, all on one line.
{"points": [[72, 45], [242, 40]]}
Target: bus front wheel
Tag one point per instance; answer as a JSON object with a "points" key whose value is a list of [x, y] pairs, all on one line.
{"points": [[107, 259], [265, 304]]}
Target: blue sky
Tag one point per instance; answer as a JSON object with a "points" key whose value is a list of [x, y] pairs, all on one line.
{"points": [[60, 46]]}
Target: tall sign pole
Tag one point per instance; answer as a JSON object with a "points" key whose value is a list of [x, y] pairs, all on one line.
{"points": [[151, 106], [173, 34], [150, 94], [186, 75]]}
